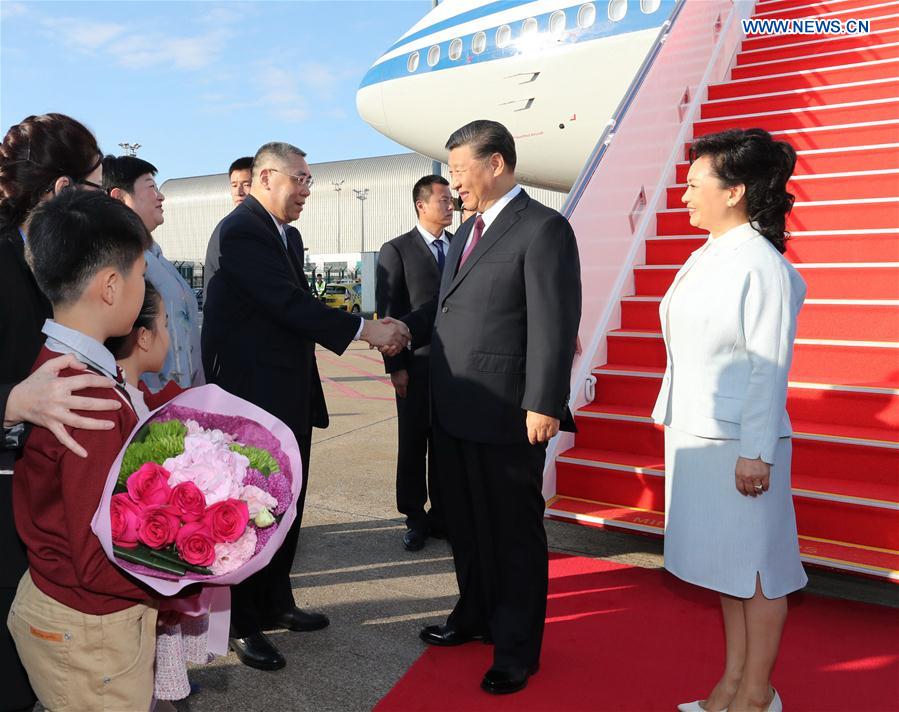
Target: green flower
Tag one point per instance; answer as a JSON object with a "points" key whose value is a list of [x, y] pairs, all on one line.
{"points": [[259, 459]]}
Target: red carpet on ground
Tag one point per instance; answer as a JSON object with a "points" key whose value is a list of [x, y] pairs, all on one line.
{"points": [[625, 638]]}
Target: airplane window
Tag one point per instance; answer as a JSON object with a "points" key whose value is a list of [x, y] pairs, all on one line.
{"points": [[557, 23], [412, 62], [529, 27], [433, 55], [649, 6], [455, 49], [503, 36], [617, 10], [586, 15], [479, 43]]}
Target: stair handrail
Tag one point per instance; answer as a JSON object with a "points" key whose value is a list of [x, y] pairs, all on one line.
{"points": [[605, 138], [721, 56]]}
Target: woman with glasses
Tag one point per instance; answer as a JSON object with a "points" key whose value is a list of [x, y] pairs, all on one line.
{"points": [[39, 157]]}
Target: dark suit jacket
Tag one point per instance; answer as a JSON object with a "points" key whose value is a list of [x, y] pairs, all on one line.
{"points": [[213, 251], [23, 309], [261, 322], [504, 327], [407, 279]]}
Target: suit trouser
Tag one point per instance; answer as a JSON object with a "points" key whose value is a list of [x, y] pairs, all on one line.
{"points": [[268, 592], [415, 469], [494, 508]]}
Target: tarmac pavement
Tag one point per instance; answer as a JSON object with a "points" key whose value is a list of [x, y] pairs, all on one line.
{"points": [[351, 565]]}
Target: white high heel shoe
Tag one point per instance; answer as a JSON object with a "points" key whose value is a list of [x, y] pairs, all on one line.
{"points": [[777, 704], [695, 707]]}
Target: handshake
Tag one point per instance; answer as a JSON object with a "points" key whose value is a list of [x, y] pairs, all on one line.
{"points": [[387, 335]]}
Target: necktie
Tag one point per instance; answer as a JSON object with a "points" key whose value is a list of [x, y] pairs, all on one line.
{"points": [[441, 258], [478, 231]]}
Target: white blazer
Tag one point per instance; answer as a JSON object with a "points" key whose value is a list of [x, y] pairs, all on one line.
{"points": [[729, 332]]}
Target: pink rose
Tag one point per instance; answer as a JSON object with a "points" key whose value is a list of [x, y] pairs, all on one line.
{"points": [[195, 544], [159, 524], [227, 520], [189, 501], [124, 515], [149, 485]]}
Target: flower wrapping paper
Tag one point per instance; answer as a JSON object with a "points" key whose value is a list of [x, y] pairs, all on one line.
{"points": [[210, 399]]}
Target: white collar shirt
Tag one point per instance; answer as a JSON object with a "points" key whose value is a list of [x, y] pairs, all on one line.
{"points": [[432, 241], [491, 213]]}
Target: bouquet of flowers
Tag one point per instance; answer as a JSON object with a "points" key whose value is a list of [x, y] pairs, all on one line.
{"points": [[204, 490], [198, 492]]}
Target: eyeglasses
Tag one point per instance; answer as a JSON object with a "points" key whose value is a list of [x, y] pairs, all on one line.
{"points": [[301, 179], [89, 184]]}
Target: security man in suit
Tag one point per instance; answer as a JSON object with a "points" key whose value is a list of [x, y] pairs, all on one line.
{"points": [[260, 330], [409, 271], [502, 338]]}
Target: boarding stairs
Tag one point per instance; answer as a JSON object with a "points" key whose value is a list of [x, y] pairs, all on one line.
{"points": [[836, 100]]}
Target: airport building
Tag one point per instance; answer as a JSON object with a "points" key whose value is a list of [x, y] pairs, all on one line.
{"points": [[355, 207]]}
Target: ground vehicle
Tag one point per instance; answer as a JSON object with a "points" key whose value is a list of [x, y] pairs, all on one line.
{"points": [[344, 296]]}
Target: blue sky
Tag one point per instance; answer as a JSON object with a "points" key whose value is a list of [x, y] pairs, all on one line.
{"points": [[201, 83]]}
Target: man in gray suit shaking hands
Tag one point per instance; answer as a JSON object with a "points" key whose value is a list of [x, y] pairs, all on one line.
{"points": [[502, 337]]}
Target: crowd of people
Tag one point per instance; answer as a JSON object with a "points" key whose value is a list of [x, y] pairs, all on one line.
{"points": [[98, 329]]}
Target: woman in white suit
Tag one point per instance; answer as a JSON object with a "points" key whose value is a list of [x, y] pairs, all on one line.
{"points": [[729, 320]]}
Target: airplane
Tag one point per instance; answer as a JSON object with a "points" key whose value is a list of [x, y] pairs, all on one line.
{"points": [[551, 72]]}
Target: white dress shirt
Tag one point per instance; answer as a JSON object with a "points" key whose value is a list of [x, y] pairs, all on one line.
{"points": [[431, 241], [490, 214]]}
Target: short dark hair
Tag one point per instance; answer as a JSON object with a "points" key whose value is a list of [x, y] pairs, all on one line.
{"points": [[37, 151], [241, 164], [424, 187], [122, 346], [121, 172], [485, 138], [760, 163], [76, 234]]}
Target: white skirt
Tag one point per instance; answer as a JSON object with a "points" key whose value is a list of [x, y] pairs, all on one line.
{"points": [[718, 538]]}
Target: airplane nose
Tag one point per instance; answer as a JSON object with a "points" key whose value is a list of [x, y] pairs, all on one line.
{"points": [[370, 105]]}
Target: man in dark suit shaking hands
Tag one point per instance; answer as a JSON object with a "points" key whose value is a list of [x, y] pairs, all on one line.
{"points": [[409, 271], [261, 326], [503, 342]]}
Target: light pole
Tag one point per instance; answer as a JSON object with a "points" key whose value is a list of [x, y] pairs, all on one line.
{"points": [[362, 195], [338, 186], [130, 149]]}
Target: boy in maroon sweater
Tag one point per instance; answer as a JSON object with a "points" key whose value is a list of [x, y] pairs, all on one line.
{"points": [[84, 630]]}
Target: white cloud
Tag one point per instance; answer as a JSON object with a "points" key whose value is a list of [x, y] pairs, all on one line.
{"points": [[151, 50], [12, 9], [186, 48], [81, 35]]}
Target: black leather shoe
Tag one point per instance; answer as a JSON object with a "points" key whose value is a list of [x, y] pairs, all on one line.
{"points": [[445, 636], [504, 681], [299, 621], [414, 540], [257, 651]]}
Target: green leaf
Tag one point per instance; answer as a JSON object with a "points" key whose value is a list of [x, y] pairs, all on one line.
{"points": [[162, 560]]}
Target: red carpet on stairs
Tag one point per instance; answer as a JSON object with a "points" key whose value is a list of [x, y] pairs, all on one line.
{"points": [[836, 100], [625, 638]]}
